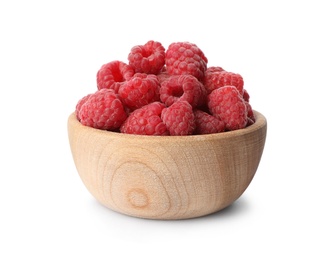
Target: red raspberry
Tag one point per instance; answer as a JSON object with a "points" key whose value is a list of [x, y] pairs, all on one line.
{"points": [[214, 69], [185, 58], [80, 103], [102, 110], [184, 88], [148, 58], [214, 80], [179, 118], [250, 114], [113, 74], [227, 104], [145, 121], [207, 124], [140, 90], [245, 95]]}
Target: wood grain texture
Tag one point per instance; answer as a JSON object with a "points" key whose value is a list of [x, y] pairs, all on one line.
{"points": [[166, 177]]}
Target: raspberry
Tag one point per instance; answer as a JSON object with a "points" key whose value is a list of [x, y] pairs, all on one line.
{"points": [[148, 58], [250, 114], [179, 118], [214, 80], [185, 58], [214, 69], [227, 104], [145, 121], [140, 90], [245, 95], [102, 110], [184, 88], [113, 74], [80, 103], [207, 124]]}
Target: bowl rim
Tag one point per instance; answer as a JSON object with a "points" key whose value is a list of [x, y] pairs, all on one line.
{"points": [[259, 123]]}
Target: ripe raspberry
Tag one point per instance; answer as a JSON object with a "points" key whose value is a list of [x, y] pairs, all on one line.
{"points": [[214, 69], [219, 79], [250, 114], [179, 118], [245, 95], [185, 58], [102, 110], [80, 103], [145, 121], [184, 88], [148, 58], [140, 90], [227, 104], [113, 74], [207, 124]]}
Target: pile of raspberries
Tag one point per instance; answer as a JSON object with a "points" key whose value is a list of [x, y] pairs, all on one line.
{"points": [[166, 92]]}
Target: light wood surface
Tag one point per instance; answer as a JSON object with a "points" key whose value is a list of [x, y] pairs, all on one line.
{"points": [[166, 177]]}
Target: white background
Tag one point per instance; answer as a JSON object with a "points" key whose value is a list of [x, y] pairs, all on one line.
{"points": [[50, 52]]}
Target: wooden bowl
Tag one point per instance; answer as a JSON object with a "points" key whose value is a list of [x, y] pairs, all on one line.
{"points": [[166, 177]]}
